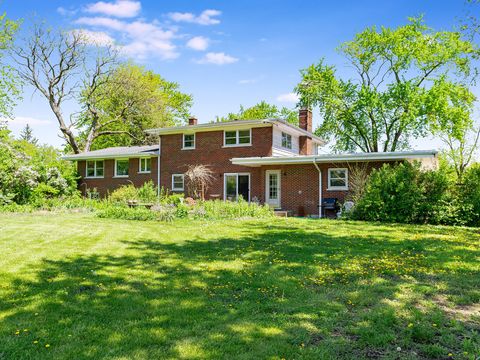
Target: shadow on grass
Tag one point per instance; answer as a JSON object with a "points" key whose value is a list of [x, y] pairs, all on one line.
{"points": [[275, 292]]}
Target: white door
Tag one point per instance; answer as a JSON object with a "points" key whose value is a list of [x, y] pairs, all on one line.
{"points": [[272, 188]]}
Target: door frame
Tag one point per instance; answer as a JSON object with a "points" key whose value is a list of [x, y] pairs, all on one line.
{"points": [[236, 175], [267, 187]]}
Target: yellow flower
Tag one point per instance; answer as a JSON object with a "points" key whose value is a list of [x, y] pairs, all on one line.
{"points": [[35, 342], [410, 325], [450, 354], [434, 325], [47, 345]]}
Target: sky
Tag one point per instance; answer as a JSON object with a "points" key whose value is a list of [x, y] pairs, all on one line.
{"points": [[224, 53]]}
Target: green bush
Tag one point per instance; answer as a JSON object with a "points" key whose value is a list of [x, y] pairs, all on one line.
{"points": [[218, 209], [125, 213], [402, 193], [148, 192], [469, 193], [124, 194]]}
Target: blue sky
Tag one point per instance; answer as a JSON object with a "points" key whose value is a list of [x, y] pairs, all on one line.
{"points": [[223, 53]]}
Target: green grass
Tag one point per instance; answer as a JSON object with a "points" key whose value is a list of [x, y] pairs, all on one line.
{"points": [[250, 289]]}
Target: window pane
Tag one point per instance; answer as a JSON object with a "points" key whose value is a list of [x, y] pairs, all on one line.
{"points": [[244, 136], [287, 140], [148, 164], [231, 190], [273, 186], [99, 168], [230, 137], [122, 167], [337, 182], [189, 141], [338, 174], [243, 187], [178, 182]]}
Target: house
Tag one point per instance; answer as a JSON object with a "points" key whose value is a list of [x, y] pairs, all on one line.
{"points": [[269, 160]]}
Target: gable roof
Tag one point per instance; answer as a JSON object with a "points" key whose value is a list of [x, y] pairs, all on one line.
{"points": [[115, 152], [234, 124]]}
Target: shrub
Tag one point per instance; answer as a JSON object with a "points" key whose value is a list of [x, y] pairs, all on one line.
{"points": [[125, 213], [165, 212], [218, 209], [123, 194], [469, 192], [148, 192], [402, 193]]}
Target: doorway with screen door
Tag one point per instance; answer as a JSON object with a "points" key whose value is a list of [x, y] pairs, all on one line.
{"points": [[236, 186], [272, 188]]}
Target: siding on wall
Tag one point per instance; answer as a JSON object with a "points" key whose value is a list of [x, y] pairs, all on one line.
{"points": [[278, 149]]}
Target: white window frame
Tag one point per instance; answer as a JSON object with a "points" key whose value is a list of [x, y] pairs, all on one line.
{"points": [[337, 187], [237, 138], [279, 190], [121, 176], [173, 182], [194, 142], [140, 171], [237, 175], [288, 136], [94, 169]]}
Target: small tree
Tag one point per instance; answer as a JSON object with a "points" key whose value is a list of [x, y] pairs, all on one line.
{"points": [[357, 180], [199, 178], [27, 135]]}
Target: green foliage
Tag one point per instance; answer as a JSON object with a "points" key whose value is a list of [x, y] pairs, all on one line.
{"points": [[125, 103], [125, 213], [262, 110], [402, 193], [392, 98], [218, 209], [147, 193], [470, 192]]}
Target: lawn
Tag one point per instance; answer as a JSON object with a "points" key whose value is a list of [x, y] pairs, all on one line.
{"points": [[75, 286]]}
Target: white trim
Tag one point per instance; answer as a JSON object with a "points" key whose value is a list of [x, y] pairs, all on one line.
{"points": [[237, 138], [341, 188], [237, 175], [94, 169], [115, 169], [87, 156], [194, 141], [140, 171], [279, 185], [158, 165], [307, 159], [173, 182]]}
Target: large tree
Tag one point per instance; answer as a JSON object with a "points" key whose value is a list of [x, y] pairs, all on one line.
{"points": [[381, 106], [127, 101], [262, 110]]}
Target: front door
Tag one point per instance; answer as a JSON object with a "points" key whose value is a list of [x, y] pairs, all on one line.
{"points": [[272, 188]]}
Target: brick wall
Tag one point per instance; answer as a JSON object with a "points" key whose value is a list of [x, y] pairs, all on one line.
{"points": [[209, 151], [109, 183]]}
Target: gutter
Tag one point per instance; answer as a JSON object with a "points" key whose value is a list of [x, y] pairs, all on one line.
{"points": [[158, 165]]}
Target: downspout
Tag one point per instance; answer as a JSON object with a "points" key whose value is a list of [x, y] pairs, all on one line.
{"points": [[158, 165], [319, 189]]}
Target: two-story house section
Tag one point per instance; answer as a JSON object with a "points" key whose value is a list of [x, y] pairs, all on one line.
{"points": [[266, 160]]}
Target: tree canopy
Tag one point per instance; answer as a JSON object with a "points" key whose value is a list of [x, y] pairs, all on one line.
{"points": [[262, 110], [126, 102], [387, 100]]}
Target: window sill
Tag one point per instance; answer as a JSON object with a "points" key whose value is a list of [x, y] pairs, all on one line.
{"points": [[94, 177], [188, 148], [144, 172], [178, 190], [337, 189], [120, 177], [236, 145]]}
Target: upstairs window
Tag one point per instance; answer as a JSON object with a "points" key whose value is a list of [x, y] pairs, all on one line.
{"points": [[178, 182], [145, 165], [286, 140], [238, 138], [188, 141], [337, 179], [95, 168], [121, 168]]}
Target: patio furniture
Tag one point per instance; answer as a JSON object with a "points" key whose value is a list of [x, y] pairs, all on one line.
{"points": [[329, 204]]}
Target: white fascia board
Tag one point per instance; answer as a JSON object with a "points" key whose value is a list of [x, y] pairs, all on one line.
{"points": [[104, 157], [240, 124]]}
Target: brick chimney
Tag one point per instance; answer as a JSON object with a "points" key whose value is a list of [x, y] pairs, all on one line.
{"points": [[305, 123], [305, 119], [192, 121]]}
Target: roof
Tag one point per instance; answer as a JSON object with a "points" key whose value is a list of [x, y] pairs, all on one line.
{"points": [[236, 124], [115, 152], [328, 158]]}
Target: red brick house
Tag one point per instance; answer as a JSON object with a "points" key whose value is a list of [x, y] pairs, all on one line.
{"points": [[269, 161]]}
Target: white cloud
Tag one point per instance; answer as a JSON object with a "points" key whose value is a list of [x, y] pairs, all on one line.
{"points": [[207, 17], [21, 121], [119, 8], [199, 43], [141, 39], [288, 98], [99, 38], [66, 12], [252, 80], [219, 58]]}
